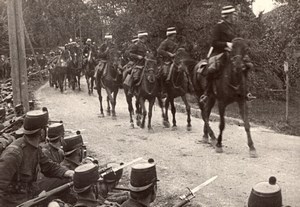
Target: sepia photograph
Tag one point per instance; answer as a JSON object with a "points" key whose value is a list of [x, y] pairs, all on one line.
{"points": [[150, 103]]}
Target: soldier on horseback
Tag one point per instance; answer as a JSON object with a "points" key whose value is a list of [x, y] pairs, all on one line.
{"points": [[137, 53], [89, 51], [166, 51], [223, 34], [104, 54], [130, 62]]}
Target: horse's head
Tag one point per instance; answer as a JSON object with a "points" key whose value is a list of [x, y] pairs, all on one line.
{"points": [[239, 50], [150, 68]]}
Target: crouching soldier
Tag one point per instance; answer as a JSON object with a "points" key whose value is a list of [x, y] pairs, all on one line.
{"points": [[53, 148], [74, 150], [143, 185], [20, 161]]}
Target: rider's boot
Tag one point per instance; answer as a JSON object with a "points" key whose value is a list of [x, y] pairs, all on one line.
{"points": [[209, 89]]}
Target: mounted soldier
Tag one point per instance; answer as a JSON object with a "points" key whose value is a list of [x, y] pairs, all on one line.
{"points": [[130, 62], [104, 54], [137, 53], [21, 160], [166, 51], [223, 34], [89, 51]]}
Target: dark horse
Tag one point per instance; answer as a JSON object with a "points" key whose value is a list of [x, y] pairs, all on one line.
{"points": [[229, 87], [147, 89], [110, 80], [61, 68], [177, 87], [89, 70], [74, 71]]}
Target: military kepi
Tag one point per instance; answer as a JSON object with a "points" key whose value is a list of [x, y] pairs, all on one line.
{"points": [[171, 30], [71, 143], [84, 176], [34, 121], [55, 131], [227, 10], [143, 176]]}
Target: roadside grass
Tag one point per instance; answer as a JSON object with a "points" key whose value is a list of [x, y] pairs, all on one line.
{"points": [[267, 112]]}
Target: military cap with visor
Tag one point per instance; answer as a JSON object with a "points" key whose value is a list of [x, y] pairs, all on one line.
{"points": [[143, 176], [84, 176], [71, 143], [34, 121], [55, 131]]}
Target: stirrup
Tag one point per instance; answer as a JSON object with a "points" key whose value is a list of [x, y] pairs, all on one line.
{"points": [[203, 99], [250, 97]]}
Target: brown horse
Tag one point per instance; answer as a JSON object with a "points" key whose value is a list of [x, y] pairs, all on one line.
{"points": [[147, 89], [89, 70], [230, 86], [177, 87], [75, 69], [61, 68], [110, 80]]}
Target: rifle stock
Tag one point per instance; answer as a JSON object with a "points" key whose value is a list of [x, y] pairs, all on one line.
{"points": [[44, 195], [182, 203]]}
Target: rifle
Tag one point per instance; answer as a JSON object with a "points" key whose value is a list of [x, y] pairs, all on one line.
{"points": [[191, 194], [11, 125], [44, 195], [60, 122]]}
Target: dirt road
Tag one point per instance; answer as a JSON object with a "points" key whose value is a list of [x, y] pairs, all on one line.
{"points": [[180, 161]]}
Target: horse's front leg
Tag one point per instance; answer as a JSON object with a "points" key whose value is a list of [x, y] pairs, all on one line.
{"points": [[114, 102], [144, 111], [188, 111], [108, 103], [173, 110], [166, 119], [151, 103], [138, 111], [243, 108], [100, 101], [130, 109], [222, 107]]}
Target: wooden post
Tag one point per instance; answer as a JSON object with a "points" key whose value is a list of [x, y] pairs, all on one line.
{"points": [[17, 53], [286, 70]]}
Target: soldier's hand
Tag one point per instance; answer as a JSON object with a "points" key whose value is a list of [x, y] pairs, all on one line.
{"points": [[140, 57], [229, 46], [69, 174]]}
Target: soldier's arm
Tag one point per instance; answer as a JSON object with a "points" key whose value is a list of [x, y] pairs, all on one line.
{"points": [[132, 52], [216, 36], [50, 168], [10, 161], [162, 49]]}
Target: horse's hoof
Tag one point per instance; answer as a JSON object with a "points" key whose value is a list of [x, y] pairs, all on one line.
{"points": [[253, 153], [204, 140], [213, 142], [151, 130], [174, 128], [132, 125], [142, 126], [166, 124], [219, 150], [189, 128]]}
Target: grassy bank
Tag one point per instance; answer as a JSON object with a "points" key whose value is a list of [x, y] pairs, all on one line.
{"points": [[269, 113]]}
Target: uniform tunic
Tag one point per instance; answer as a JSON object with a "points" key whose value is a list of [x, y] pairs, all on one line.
{"points": [[223, 32], [54, 153], [138, 49], [166, 46], [19, 165]]}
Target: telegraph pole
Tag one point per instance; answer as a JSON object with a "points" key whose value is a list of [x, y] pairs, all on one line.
{"points": [[17, 53]]}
